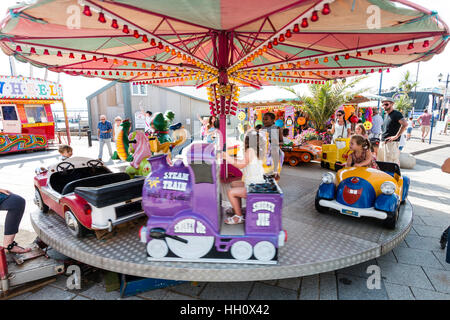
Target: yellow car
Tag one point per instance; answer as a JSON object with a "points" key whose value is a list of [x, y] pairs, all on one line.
{"points": [[334, 158]]}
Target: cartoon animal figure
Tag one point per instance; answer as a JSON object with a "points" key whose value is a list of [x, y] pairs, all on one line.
{"points": [[179, 135], [122, 143], [139, 165], [161, 122]]}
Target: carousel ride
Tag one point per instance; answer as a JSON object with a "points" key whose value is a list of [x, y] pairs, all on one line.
{"points": [[240, 44]]}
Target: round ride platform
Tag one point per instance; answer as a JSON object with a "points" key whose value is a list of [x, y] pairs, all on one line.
{"points": [[316, 242]]}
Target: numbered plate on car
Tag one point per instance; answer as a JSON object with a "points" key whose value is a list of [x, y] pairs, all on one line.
{"points": [[350, 213]]}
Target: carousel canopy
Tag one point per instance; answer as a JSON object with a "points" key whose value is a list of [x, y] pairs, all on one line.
{"points": [[199, 42]]}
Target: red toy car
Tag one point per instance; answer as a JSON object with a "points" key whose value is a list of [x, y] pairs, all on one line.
{"points": [[88, 195]]}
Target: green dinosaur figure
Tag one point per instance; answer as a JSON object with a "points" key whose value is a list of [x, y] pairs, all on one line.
{"points": [[122, 143], [161, 123]]}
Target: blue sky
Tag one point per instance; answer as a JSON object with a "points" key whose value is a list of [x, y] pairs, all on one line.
{"points": [[77, 88]]}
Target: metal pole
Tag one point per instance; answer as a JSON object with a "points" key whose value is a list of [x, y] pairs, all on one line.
{"points": [[415, 90], [379, 89], [66, 121], [445, 104]]}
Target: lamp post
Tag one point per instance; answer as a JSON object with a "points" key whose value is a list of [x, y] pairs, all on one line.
{"points": [[440, 77]]}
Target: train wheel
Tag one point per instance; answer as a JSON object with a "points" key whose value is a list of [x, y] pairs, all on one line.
{"points": [[157, 248], [196, 247], [293, 161], [241, 250], [306, 157], [264, 251]]}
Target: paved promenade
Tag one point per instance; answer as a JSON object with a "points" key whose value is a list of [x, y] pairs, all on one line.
{"points": [[414, 270]]}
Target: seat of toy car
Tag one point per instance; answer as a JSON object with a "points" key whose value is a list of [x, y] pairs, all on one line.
{"points": [[390, 168], [95, 181], [59, 180]]}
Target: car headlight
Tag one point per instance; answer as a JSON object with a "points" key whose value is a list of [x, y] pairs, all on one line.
{"points": [[328, 177], [388, 187]]}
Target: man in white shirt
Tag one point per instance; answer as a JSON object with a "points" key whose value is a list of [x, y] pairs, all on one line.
{"points": [[377, 123]]}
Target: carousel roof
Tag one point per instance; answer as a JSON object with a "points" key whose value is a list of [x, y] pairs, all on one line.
{"points": [[198, 42]]}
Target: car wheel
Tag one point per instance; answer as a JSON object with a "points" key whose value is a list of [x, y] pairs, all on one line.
{"points": [[39, 202], [392, 217], [74, 226], [306, 157], [293, 161], [320, 208], [322, 164]]}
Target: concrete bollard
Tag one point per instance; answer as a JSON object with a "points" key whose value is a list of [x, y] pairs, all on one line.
{"points": [[407, 161]]}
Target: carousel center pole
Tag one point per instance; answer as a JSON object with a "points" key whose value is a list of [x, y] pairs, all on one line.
{"points": [[222, 63]]}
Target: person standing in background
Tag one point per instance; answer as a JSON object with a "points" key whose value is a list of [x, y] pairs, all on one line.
{"points": [[394, 126], [409, 128], [104, 133], [424, 122], [377, 123], [148, 123], [116, 128]]}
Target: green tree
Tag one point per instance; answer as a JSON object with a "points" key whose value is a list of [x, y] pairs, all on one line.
{"points": [[405, 86], [326, 98]]}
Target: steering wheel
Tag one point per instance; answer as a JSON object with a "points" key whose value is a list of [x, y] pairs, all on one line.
{"points": [[94, 164], [66, 168]]}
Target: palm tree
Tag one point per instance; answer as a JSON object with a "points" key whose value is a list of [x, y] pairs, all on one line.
{"points": [[405, 86], [325, 99]]}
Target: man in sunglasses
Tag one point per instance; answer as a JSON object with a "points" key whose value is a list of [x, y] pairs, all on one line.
{"points": [[394, 126]]}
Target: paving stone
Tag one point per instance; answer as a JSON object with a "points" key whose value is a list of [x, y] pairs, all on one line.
{"points": [[442, 221], [157, 294], [98, 292], [359, 270], [425, 243], [263, 291], [417, 257], [176, 296], [441, 256], [439, 278], [309, 289], [290, 283], [226, 291], [398, 292], [189, 288], [417, 221], [404, 274], [80, 298], [23, 296], [132, 298], [355, 288], [327, 286], [429, 231], [422, 294], [388, 257], [51, 293]]}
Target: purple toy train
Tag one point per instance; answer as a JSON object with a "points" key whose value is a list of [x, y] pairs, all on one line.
{"points": [[185, 218]]}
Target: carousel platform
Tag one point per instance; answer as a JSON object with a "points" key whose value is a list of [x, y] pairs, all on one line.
{"points": [[316, 242]]}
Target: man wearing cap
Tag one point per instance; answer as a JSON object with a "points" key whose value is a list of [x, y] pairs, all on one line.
{"points": [[394, 125]]}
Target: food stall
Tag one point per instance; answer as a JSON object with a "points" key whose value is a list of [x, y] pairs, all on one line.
{"points": [[26, 119]]}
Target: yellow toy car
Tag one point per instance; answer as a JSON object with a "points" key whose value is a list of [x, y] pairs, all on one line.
{"points": [[334, 158]]}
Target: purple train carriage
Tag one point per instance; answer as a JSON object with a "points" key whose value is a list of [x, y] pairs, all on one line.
{"points": [[185, 217]]}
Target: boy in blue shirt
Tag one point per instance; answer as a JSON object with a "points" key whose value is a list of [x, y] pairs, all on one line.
{"points": [[104, 133]]}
